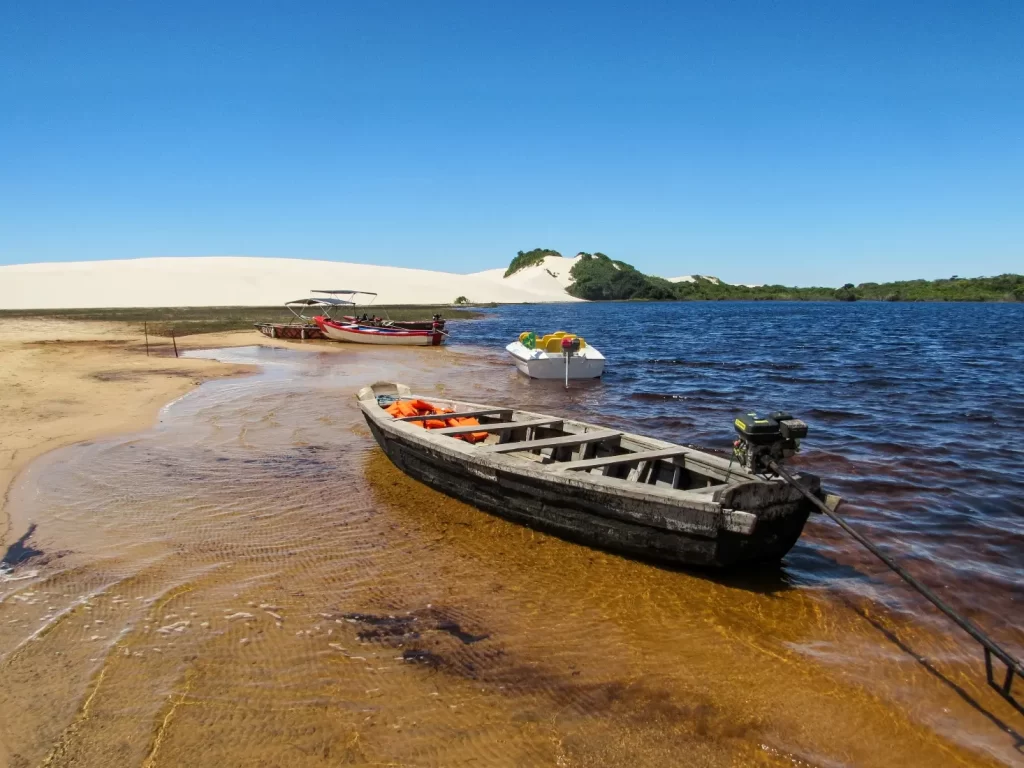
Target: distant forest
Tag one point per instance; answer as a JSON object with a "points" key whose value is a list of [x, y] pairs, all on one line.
{"points": [[598, 277]]}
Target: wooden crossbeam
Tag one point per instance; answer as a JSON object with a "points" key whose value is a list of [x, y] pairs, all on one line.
{"points": [[622, 458], [554, 442], [501, 412], [503, 426], [709, 490]]}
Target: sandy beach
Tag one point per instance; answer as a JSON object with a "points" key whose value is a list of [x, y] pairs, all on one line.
{"points": [[66, 381]]}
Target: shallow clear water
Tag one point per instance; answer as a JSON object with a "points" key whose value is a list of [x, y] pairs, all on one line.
{"points": [[340, 613]]}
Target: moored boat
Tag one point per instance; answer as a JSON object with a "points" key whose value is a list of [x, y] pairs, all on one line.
{"points": [[622, 492], [403, 325], [554, 356], [360, 334], [303, 327], [370, 320], [290, 331]]}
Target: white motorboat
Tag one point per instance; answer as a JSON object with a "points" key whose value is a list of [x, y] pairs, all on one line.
{"points": [[556, 356]]}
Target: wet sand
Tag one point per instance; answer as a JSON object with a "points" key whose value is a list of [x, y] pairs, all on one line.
{"points": [[252, 583], [66, 381]]}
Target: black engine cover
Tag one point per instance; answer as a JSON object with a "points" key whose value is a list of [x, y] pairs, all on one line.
{"points": [[758, 430]]}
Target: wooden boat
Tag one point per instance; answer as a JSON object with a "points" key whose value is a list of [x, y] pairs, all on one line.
{"points": [[622, 492], [304, 327], [545, 358], [289, 330], [360, 334]]}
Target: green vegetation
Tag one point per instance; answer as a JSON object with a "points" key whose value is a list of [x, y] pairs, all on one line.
{"points": [[846, 293], [461, 300], [185, 321], [598, 277], [525, 259], [706, 290], [1002, 288]]}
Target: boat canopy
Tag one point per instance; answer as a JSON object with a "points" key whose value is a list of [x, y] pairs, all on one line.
{"points": [[340, 292], [351, 295], [318, 303], [299, 306]]}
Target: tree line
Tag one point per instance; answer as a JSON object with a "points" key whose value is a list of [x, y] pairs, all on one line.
{"points": [[598, 277]]}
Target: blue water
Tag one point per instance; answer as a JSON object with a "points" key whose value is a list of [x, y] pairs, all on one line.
{"points": [[916, 414]]}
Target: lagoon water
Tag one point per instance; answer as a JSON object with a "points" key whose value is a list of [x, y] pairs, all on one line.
{"points": [[916, 410], [252, 583]]}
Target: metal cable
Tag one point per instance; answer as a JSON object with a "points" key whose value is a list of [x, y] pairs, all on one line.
{"points": [[1013, 665]]}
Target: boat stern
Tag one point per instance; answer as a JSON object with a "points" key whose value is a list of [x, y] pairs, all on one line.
{"points": [[781, 512]]}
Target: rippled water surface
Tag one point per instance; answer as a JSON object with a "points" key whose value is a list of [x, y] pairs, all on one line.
{"points": [[252, 583], [915, 409]]}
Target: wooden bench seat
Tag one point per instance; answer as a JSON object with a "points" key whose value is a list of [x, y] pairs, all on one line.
{"points": [[583, 438], [622, 458], [503, 426]]}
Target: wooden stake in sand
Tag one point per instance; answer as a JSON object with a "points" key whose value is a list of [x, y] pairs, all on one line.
{"points": [[145, 330], [174, 343]]}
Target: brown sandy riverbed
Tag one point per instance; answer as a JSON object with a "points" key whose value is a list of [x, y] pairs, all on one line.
{"points": [[254, 584], [65, 381]]}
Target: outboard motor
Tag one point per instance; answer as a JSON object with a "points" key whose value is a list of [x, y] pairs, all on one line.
{"points": [[763, 439], [571, 346]]}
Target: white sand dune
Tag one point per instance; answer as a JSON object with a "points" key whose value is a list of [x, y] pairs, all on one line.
{"points": [[709, 278], [542, 277], [693, 279], [246, 281]]}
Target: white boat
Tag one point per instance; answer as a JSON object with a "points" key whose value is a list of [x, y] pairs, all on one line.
{"points": [[361, 334], [545, 357]]}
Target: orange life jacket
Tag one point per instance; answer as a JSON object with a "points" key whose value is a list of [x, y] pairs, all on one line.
{"points": [[403, 408]]}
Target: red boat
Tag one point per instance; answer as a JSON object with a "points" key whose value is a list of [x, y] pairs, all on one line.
{"points": [[361, 334], [361, 330], [372, 321], [405, 325]]}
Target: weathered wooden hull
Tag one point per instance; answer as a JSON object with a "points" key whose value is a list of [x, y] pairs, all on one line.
{"points": [[294, 331], [595, 516]]}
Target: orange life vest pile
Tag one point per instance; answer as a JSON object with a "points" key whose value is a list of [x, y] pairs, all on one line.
{"points": [[402, 408]]}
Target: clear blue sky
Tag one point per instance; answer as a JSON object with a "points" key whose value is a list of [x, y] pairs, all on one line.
{"points": [[811, 142]]}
